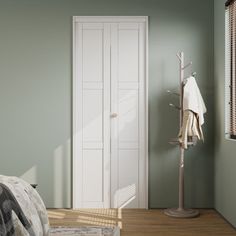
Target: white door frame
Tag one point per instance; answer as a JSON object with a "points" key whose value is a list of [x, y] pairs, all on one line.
{"points": [[76, 101]]}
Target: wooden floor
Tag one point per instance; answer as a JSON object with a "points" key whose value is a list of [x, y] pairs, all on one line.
{"points": [[144, 222]]}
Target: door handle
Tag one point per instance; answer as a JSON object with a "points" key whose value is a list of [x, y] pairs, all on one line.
{"points": [[114, 115]]}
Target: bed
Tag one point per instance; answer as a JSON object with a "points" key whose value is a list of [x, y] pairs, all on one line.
{"points": [[22, 211]]}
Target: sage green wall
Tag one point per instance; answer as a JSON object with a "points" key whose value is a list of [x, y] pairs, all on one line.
{"points": [[36, 85], [225, 159]]}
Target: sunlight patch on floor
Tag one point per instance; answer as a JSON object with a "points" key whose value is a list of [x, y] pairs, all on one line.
{"points": [[97, 217], [56, 214]]}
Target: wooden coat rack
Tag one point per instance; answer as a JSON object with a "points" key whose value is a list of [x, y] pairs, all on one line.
{"points": [[180, 211]]}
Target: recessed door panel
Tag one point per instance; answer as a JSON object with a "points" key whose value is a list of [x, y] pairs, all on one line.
{"points": [[93, 176], [128, 116], [92, 54], [128, 49], [128, 189], [92, 115]]}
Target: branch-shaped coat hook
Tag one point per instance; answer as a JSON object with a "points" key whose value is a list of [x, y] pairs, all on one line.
{"points": [[172, 105], [168, 91], [178, 55], [186, 66]]}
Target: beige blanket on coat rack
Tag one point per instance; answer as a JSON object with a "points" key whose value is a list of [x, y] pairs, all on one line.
{"points": [[193, 111]]}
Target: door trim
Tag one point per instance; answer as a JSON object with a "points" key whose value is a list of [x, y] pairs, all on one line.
{"points": [[76, 101], [110, 19]]}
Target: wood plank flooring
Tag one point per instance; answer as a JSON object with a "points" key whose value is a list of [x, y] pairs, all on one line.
{"points": [[138, 222]]}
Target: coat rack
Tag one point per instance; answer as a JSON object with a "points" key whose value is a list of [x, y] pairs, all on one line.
{"points": [[180, 211]]}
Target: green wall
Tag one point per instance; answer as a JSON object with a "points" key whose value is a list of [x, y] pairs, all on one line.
{"points": [[225, 158], [36, 89]]}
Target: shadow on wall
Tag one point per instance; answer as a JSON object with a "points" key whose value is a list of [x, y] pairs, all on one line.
{"points": [[53, 179], [167, 122], [62, 168], [163, 156]]}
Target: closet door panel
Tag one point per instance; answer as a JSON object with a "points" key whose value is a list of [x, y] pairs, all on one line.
{"points": [[128, 120], [94, 115], [126, 101]]}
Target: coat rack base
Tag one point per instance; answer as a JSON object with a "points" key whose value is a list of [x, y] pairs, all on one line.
{"points": [[181, 213]]}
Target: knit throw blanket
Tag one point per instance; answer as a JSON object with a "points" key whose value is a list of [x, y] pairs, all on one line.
{"points": [[22, 211]]}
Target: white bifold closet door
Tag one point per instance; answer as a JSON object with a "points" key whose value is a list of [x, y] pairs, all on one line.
{"points": [[109, 143]]}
